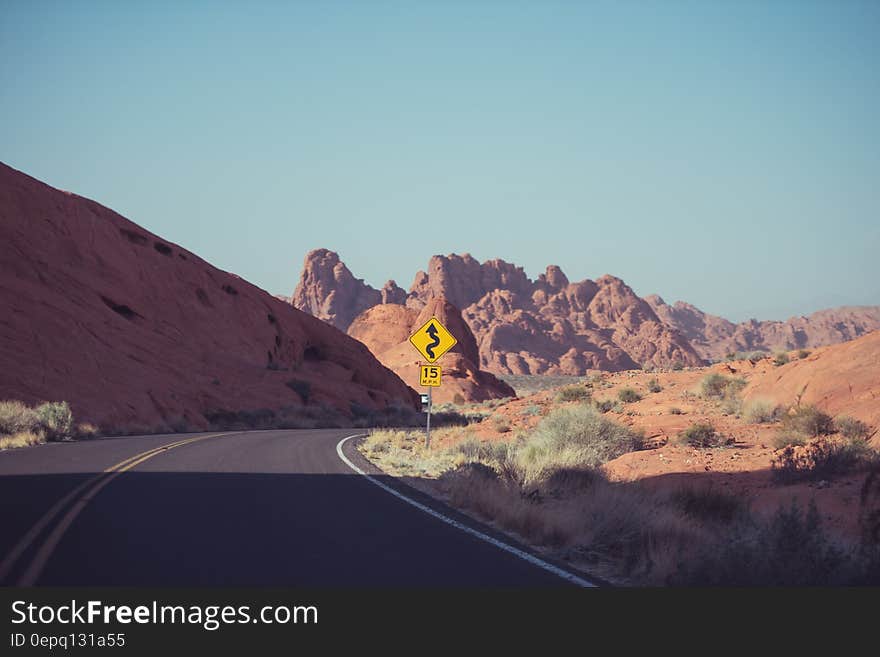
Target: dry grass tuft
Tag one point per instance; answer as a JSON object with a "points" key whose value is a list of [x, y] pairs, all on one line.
{"points": [[21, 439]]}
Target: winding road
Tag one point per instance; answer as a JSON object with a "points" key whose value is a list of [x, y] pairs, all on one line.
{"points": [[259, 508]]}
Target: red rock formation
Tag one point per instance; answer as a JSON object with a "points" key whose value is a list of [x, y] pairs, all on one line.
{"points": [[714, 337], [385, 329], [329, 291], [131, 328], [549, 325]]}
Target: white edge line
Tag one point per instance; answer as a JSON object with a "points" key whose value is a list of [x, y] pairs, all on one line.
{"points": [[525, 556]]}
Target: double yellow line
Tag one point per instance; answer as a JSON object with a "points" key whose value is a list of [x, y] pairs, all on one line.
{"points": [[77, 499]]}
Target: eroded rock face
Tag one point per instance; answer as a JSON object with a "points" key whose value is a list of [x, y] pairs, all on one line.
{"points": [[132, 329], [549, 325], [328, 290], [715, 337], [385, 329]]}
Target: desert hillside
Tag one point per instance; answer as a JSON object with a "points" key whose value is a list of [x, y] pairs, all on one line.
{"points": [[715, 337], [130, 328]]}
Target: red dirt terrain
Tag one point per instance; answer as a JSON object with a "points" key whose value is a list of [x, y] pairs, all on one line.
{"points": [[545, 326], [385, 329], [131, 328], [839, 379], [843, 379]]}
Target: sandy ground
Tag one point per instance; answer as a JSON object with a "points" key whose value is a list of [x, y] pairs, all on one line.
{"points": [[742, 468]]}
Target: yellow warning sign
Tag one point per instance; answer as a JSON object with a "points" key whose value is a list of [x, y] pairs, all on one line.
{"points": [[432, 340], [430, 376]]}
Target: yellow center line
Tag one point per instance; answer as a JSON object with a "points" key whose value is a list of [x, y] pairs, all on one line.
{"points": [[91, 488]]}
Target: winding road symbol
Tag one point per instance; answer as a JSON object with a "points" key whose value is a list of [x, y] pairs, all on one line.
{"points": [[432, 339], [435, 340]]}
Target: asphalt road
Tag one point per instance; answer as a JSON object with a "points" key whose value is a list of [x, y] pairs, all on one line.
{"points": [[268, 508]]}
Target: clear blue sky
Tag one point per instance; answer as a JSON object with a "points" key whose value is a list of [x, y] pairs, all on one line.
{"points": [[725, 153]]}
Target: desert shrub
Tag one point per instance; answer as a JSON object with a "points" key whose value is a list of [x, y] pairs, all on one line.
{"points": [[21, 439], [702, 434], [55, 419], [753, 356], [803, 353], [801, 424], [86, 430], [531, 409], [677, 366], [573, 393], [300, 387], [628, 395], [603, 405], [458, 399], [789, 549], [495, 403], [709, 504], [821, 458], [718, 387], [16, 417], [574, 437], [501, 424], [565, 482], [851, 428], [760, 411], [654, 386], [675, 410], [781, 359]]}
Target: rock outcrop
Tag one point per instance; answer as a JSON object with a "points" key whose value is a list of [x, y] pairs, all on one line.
{"points": [[132, 329], [328, 290], [714, 337], [840, 379], [385, 329], [546, 326]]}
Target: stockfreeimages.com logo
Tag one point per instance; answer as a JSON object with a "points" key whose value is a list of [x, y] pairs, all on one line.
{"points": [[210, 617]]}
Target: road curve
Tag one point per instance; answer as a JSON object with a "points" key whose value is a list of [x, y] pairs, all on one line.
{"points": [[259, 508]]}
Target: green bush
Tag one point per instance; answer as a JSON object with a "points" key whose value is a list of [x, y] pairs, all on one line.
{"points": [[801, 424], [781, 359], [752, 356], [718, 387], [759, 411], [603, 405], [675, 410], [531, 409], [573, 393], [55, 419], [702, 434], [851, 428], [821, 458], [677, 366], [575, 436], [501, 424], [16, 417], [654, 386], [628, 395], [803, 353]]}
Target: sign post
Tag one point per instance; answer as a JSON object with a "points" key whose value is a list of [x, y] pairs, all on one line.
{"points": [[429, 376], [431, 340]]}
